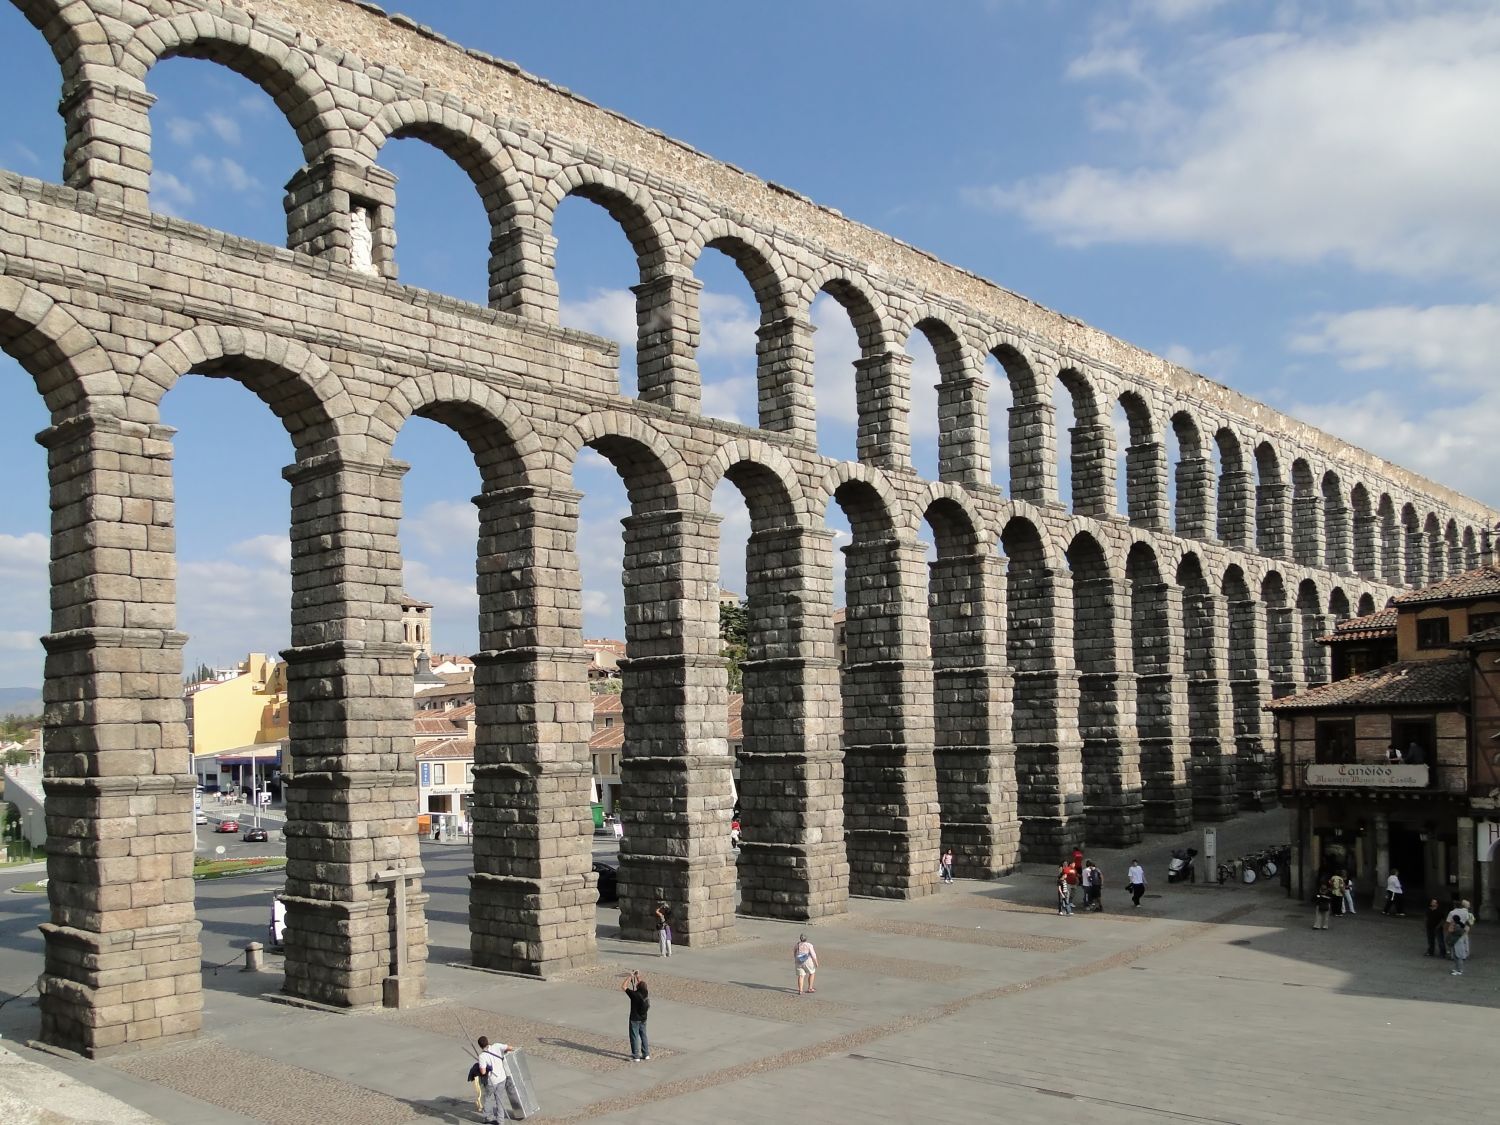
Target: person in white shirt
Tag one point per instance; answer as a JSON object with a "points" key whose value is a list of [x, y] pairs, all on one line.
{"points": [[1136, 877], [278, 922], [1460, 921], [493, 1076], [1393, 892]]}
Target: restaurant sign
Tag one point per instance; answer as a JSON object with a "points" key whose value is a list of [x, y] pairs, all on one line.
{"points": [[1365, 776]]}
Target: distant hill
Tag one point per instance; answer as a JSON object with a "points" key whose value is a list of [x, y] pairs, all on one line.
{"points": [[20, 701]]}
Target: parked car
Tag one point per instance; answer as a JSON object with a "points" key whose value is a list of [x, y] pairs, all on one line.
{"points": [[608, 881], [228, 826], [255, 836], [200, 817]]}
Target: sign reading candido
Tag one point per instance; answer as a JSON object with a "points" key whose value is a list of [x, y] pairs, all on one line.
{"points": [[1371, 774]]}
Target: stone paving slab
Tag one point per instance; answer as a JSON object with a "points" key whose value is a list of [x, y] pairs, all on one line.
{"points": [[841, 960], [570, 1046], [762, 1001], [993, 938]]}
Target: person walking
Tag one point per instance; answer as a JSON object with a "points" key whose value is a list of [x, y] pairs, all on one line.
{"points": [[1093, 888], [495, 1081], [278, 923], [945, 865], [1459, 923], [1437, 938], [634, 986], [1064, 891], [805, 961], [664, 928], [1322, 904], [1393, 892], [1348, 893], [1135, 878]]}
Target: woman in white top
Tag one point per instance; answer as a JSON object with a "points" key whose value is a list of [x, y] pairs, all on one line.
{"points": [[1393, 895]]}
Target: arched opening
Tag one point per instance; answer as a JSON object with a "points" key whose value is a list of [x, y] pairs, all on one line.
{"points": [[1471, 549], [1111, 753], [1338, 605], [1315, 657], [740, 299], [1338, 550], [976, 780], [1392, 570], [1142, 490], [1210, 718], [891, 824], [1030, 428], [1416, 550], [1366, 540], [1437, 556], [1235, 513], [1272, 513], [205, 119], [999, 401], [1366, 604], [1455, 553], [1307, 517], [1282, 637], [31, 86], [598, 270], [1157, 654], [1248, 676], [846, 331], [1084, 477], [1194, 480], [936, 357]]}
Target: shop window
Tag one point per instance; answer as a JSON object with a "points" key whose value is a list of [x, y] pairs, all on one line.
{"points": [[1335, 742], [439, 774], [1432, 632]]}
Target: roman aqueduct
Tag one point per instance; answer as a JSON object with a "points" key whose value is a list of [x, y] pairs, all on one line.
{"points": [[1059, 672]]}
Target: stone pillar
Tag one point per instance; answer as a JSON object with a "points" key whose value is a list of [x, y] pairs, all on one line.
{"points": [[320, 203], [1044, 718], [1146, 480], [1364, 546], [1283, 651], [1162, 706], [1210, 709], [351, 801], [1340, 548], [532, 895], [1437, 558], [791, 767], [1250, 678], [523, 270], [1382, 827], [1392, 554], [666, 317], [675, 776], [108, 147], [1307, 530], [890, 782], [882, 388], [1092, 460], [784, 375], [1271, 536], [1315, 656], [1112, 794], [1195, 492], [1033, 452], [1416, 558], [976, 767], [963, 433], [1235, 508], [122, 953]]}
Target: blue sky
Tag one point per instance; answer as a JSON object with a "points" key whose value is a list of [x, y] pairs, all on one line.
{"points": [[1299, 200]]}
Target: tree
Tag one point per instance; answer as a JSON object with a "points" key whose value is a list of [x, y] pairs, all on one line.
{"points": [[734, 628]]}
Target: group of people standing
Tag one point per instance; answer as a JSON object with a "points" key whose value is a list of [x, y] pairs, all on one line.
{"points": [[1448, 931], [1085, 874], [1333, 898]]}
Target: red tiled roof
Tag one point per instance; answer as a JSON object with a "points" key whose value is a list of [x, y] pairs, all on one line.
{"points": [[1485, 638], [1381, 623], [1411, 683], [607, 738], [447, 748], [1481, 582], [608, 703]]}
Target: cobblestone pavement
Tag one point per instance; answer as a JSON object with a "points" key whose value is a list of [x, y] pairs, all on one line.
{"points": [[1208, 1004]]}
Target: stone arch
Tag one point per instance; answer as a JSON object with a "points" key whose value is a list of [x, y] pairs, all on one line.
{"points": [[1235, 515], [1366, 604], [1392, 570], [70, 368], [78, 40], [1195, 484], [1453, 548], [1156, 658], [654, 474], [294, 382], [1471, 548], [1366, 541], [1209, 710], [1091, 453], [866, 308], [957, 527], [1307, 516], [1272, 509], [278, 68], [1031, 438], [754, 255], [866, 494], [506, 449], [1313, 625], [1281, 636], [1338, 538], [1416, 554], [1437, 559], [1338, 604], [1145, 480], [626, 201], [765, 477], [962, 420]]}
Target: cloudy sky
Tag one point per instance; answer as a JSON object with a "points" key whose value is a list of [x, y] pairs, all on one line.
{"points": [[1297, 199]]}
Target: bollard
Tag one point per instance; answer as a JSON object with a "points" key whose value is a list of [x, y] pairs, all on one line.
{"points": [[254, 958]]}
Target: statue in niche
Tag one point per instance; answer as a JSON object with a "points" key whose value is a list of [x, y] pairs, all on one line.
{"points": [[361, 241]]}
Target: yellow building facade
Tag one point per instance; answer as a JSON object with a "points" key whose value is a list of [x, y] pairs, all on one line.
{"points": [[247, 709]]}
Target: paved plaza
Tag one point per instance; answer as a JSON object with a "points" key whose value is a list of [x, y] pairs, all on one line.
{"points": [[1208, 1003]]}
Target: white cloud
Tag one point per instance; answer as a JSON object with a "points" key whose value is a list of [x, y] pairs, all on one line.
{"points": [[444, 528], [605, 312], [735, 399], [183, 130], [1374, 145], [226, 128], [1216, 363], [1450, 345], [727, 326], [170, 193], [24, 555], [221, 171]]}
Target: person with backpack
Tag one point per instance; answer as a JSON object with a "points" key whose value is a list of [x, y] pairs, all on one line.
{"points": [[1322, 905], [1093, 888], [489, 1070], [1457, 928]]}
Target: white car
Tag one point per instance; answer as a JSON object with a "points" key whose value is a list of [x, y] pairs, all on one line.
{"points": [[200, 817]]}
